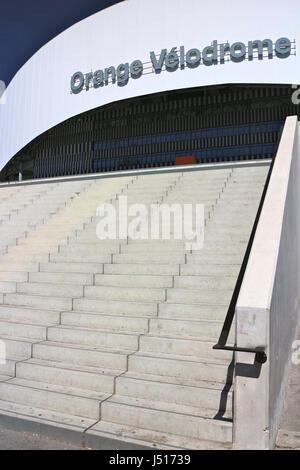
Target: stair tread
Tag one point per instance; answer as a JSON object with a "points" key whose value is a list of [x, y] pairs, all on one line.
{"points": [[37, 296], [45, 416], [25, 307], [47, 387], [182, 358], [199, 321], [111, 301], [93, 330], [153, 439], [126, 289], [167, 407], [135, 435], [19, 338], [82, 347], [156, 318], [106, 315], [44, 283], [217, 304], [73, 367], [180, 337], [210, 290], [24, 322], [204, 384], [109, 314]]}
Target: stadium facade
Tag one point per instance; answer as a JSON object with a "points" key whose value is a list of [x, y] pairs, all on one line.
{"points": [[113, 343], [142, 84]]}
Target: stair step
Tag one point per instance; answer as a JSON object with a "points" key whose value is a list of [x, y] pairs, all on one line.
{"points": [[154, 416], [149, 258], [62, 278], [204, 282], [118, 324], [200, 296], [135, 435], [8, 287], [22, 330], [45, 288], [79, 258], [192, 312], [81, 356], [81, 268], [142, 269], [115, 307], [98, 380], [183, 347], [18, 267], [96, 248], [18, 348], [42, 241], [149, 388], [13, 276], [8, 369], [201, 329], [33, 250], [97, 338], [4, 378], [86, 237], [203, 269], [123, 329], [170, 249], [125, 293], [38, 301], [122, 280], [31, 315], [187, 367], [53, 397]]}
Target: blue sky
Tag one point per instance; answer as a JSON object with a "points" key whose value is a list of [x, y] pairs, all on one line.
{"points": [[26, 25]]}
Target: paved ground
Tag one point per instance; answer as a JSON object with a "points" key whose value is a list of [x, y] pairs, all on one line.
{"points": [[14, 440], [289, 432]]}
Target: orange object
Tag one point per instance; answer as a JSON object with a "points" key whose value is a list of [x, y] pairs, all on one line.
{"points": [[185, 160]]}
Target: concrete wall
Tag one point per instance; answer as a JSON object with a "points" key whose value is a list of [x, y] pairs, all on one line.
{"points": [[268, 306]]}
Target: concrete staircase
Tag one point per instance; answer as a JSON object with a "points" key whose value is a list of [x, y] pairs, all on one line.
{"points": [[21, 211], [114, 338]]}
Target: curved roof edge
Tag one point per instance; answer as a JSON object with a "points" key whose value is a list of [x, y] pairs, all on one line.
{"points": [[39, 97]]}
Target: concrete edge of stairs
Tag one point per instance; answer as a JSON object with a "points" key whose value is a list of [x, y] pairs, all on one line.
{"points": [[139, 172]]}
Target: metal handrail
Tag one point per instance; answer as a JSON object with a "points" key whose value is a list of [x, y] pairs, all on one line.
{"points": [[260, 354]]}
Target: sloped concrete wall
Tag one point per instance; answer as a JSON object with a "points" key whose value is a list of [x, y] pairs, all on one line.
{"points": [[268, 305]]}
